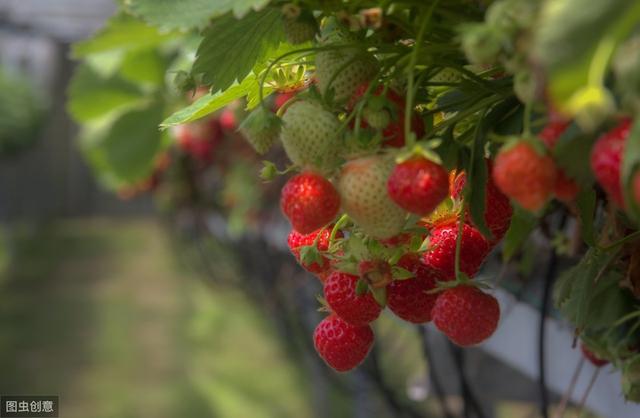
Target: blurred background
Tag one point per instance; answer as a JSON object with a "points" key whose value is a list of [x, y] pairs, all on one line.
{"points": [[126, 310]]}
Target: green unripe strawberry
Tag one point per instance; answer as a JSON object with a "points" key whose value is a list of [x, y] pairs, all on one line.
{"points": [[446, 75], [377, 119], [631, 379], [343, 70], [260, 129], [299, 25], [310, 135], [363, 188]]}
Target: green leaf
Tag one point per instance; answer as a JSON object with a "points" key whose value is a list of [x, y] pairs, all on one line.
{"points": [[92, 95], [577, 291], [252, 38], [380, 295], [362, 287], [523, 223], [209, 103], [631, 166], [572, 153], [187, 14], [399, 273], [586, 202], [144, 67], [122, 32], [574, 36], [125, 150]]}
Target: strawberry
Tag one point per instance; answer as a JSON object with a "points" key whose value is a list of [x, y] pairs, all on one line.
{"points": [[343, 70], [497, 207], [418, 185], [565, 188], [340, 294], [441, 255], [199, 139], [593, 358], [394, 105], [408, 298], [309, 201], [552, 132], [296, 240], [281, 99], [260, 129], [363, 187], [310, 135], [447, 75], [525, 175], [466, 315], [228, 120], [342, 345], [606, 160], [299, 29]]}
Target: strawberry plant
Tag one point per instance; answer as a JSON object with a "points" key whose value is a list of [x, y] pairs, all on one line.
{"points": [[409, 141]]}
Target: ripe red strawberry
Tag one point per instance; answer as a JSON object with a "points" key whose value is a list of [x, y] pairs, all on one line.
{"points": [[340, 294], [418, 185], [310, 135], [441, 254], [342, 345], [295, 240], [497, 207], [466, 315], [593, 359], [343, 70], [309, 201], [228, 120], [363, 188], [409, 298], [281, 99], [606, 160], [565, 188], [552, 132], [393, 133], [199, 139], [525, 175]]}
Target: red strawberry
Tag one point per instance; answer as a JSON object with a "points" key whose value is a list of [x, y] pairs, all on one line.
{"points": [[342, 345], [525, 175], [565, 188], [282, 98], [466, 315], [295, 240], [552, 132], [409, 298], [363, 188], [393, 134], [441, 254], [497, 207], [340, 294], [593, 359], [228, 120], [606, 160], [418, 185], [309, 201], [199, 139]]}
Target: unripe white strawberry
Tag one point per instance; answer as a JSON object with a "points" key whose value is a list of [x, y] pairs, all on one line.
{"points": [[343, 70], [310, 135], [260, 129], [363, 188]]}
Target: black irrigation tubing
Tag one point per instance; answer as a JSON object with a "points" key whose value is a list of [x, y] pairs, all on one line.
{"points": [[549, 279], [433, 375], [472, 406]]}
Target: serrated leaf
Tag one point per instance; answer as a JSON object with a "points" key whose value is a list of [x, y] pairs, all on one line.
{"points": [[209, 103], [187, 14], [522, 224], [122, 32], [125, 151], [578, 287], [253, 39], [399, 273], [631, 166], [91, 95], [586, 203], [309, 254]]}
